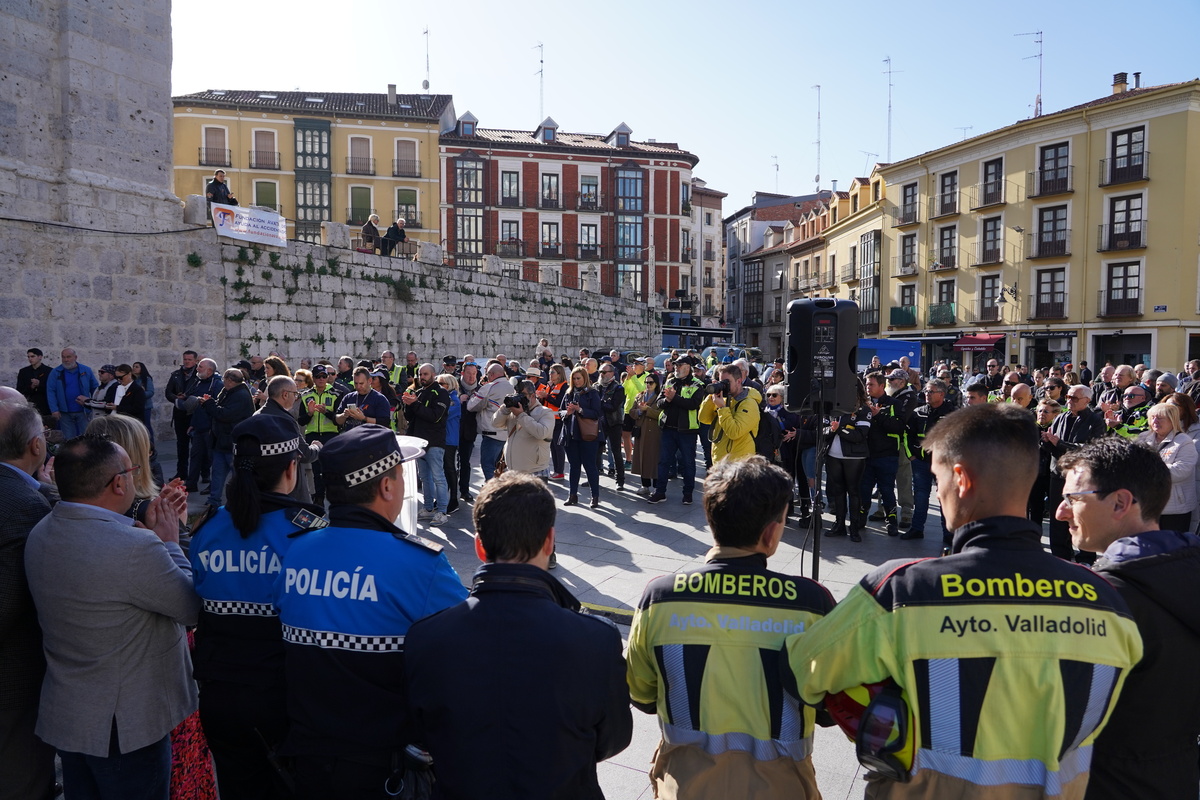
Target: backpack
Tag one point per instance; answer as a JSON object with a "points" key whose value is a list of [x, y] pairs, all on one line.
{"points": [[769, 437]]}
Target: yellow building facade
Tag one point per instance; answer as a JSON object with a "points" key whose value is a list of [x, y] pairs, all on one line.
{"points": [[855, 250], [1070, 236], [318, 156]]}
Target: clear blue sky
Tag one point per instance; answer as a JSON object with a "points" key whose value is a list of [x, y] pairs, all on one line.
{"points": [[730, 82]]}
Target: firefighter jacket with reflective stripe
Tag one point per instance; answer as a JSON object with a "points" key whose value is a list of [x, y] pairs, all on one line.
{"points": [[705, 654], [1010, 660]]}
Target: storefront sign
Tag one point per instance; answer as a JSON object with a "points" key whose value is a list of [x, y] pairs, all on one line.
{"points": [[1048, 334]]}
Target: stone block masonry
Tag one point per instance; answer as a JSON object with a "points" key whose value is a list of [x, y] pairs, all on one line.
{"points": [[142, 297]]}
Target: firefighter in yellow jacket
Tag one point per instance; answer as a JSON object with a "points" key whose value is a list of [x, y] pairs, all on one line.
{"points": [[732, 410], [1010, 659], [705, 652]]}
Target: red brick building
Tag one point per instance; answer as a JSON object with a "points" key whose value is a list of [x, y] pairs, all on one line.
{"points": [[578, 203]]}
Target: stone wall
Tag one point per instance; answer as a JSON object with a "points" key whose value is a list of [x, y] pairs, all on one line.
{"points": [[140, 297]]}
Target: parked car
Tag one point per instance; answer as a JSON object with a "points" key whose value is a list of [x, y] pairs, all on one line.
{"points": [[754, 354]]}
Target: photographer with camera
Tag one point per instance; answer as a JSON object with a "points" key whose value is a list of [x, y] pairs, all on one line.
{"points": [[733, 412], [530, 427]]}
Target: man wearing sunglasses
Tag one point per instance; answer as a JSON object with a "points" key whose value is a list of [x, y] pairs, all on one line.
{"points": [[113, 600], [1115, 493], [1008, 658], [1130, 420]]}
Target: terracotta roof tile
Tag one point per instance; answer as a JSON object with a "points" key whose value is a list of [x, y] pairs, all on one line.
{"points": [[408, 106], [590, 141]]}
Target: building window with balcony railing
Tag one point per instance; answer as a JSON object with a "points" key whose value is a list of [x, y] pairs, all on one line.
{"points": [[551, 244], [468, 235], [1122, 296], [908, 254], [550, 190], [1124, 231], [989, 299], [1050, 301], [215, 151], [359, 162], [589, 242], [1054, 173], [266, 195], [991, 243], [361, 205], [948, 246], [510, 244], [589, 193], [468, 182], [510, 189], [1053, 236], [992, 190], [1129, 156], [947, 200], [629, 190], [405, 164]]}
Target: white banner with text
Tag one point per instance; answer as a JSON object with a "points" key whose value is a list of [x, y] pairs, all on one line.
{"points": [[250, 224]]}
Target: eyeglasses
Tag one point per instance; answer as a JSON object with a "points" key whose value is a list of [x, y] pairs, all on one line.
{"points": [[1011, 383], [993, 366], [1132, 395], [1076, 397], [931, 390], [1075, 498], [132, 469]]}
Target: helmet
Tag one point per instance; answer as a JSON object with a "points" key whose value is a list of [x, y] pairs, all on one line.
{"points": [[886, 740]]}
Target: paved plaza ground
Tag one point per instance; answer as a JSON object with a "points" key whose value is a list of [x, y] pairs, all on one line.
{"points": [[607, 555]]}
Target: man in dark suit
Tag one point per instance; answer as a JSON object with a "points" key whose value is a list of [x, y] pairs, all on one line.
{"points": [[1068, 432], [26, 763]]}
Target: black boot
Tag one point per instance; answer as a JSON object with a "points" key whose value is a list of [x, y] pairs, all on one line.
{"points": [[805, 513], [893, 524], [838, 529]]}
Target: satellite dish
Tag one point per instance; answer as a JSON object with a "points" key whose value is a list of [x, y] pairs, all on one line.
{"points": [[817, 178], [425, 85]]}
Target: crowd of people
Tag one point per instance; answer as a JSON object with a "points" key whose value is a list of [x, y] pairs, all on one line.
{"points": [[327, 655]]}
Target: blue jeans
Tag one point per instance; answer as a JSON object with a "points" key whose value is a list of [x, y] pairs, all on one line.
{"points": [[808, 457], [432, 469], [490, 449], [143, 774], [222, 465], [880, 470], [74, 423], [678, 448], [922, 485]]}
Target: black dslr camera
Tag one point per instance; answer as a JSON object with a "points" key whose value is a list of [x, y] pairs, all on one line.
{"points": [[720, 387], [514, 400]]}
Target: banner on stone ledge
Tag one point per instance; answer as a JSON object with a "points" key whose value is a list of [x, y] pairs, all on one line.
{"points": [[250, 224]]}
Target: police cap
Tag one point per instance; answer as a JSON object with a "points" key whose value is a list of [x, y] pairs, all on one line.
{"points": [[362, 453], [272, 436]]}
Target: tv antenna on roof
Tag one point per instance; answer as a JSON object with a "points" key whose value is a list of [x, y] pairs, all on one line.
{"points": [[776, 160], [867, 164], [818, 176], [889, 72], [541, 73], [425, 85], [964, 129], [1037, 105]]}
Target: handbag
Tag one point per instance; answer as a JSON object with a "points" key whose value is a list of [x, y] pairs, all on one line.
{"points": [[589, 429], [501, 466]]}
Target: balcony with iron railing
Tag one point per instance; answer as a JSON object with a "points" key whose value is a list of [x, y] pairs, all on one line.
{"points": [[903, 316], [507, 248], [550, 249], [942, 264], [710, 255], [943, 314], [686, 254], [868, 321], [1122, 236], [1049, 305], [1052, 244], [356, 165], [1125, 169], [1058, 180], [1120, 302], [510, 200], [849, 272], [406, 168], [589, 201], [904, 266], [986, 253], [906, 214], [359, 216], [944, 205], [587, 251], [986, 194], [709, 282], [548, 201], [264, 159], [214, 157], [731, 282], [709, 311], [409, 214], [797, 283], [988, 312]]}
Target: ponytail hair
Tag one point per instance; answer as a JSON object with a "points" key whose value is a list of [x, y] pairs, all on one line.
{"points": [[252, 476]]}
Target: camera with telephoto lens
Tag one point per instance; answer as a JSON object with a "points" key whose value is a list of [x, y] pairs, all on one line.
{"points": [[514, 400], [720, 387]]}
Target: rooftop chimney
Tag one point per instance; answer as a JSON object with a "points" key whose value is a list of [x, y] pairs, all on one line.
{"points": [[1120, 82], [1137, 80], [835, 185], [391, 94]]}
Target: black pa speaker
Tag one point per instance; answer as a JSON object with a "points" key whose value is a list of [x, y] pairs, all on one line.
{"points": [[822, 354]]}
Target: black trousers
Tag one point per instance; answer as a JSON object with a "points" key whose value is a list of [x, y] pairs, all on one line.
{"points": [[26, 762], [465, 448], [243, 725], [1060, 534], [183, 443], [450, 470], [318, 478], [616, 452], [844, 477], [333, 778]]}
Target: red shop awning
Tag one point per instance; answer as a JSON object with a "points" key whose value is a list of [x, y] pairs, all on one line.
{"points": [[979, 342]]}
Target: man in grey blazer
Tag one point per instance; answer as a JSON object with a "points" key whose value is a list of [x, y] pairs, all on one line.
{"points": [[112, 600], [26, 762]]}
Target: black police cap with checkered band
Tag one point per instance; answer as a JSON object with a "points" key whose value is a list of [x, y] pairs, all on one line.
{"points": [[363, 453], [274, 436]]}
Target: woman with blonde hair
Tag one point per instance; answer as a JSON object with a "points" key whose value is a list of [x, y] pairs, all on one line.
{"points": [[132, 435], [581, 411], [1167, 437]]}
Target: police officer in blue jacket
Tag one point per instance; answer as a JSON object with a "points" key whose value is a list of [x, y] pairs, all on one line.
{"points": [[347, 595], [236, 556]]}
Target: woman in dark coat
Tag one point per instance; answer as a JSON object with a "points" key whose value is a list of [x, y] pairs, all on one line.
{"points": [[647, 435], [582, 402], [394, 237], [845, 459]]}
